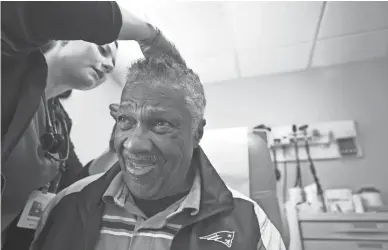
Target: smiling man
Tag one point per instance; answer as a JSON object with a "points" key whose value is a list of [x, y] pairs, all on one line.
{"points": [[163, 193]]}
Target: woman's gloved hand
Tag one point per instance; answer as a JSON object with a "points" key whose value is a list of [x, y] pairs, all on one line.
{"points": [[159, 44], [152, 42]]}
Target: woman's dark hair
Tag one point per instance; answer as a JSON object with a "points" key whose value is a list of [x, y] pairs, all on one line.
{"points": [[51, 44], [48, 46]]}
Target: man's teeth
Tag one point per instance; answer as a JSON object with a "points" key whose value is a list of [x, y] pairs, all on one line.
{"points": [[139, 170]]}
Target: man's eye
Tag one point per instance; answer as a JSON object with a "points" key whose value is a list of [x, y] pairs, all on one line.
{"points": [[124, 122], [162, 127], [162, 123]]}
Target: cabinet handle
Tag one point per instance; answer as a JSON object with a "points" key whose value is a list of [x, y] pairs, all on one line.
{"points": [[361, 225], [370, 245], [362, 231]]}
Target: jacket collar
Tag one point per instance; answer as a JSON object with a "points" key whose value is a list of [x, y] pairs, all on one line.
{"points": [[86, 211], [117, 193], [215, 196]]}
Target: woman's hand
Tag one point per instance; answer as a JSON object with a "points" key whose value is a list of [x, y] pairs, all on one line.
{"points": [[152, 42], [159, 44]]}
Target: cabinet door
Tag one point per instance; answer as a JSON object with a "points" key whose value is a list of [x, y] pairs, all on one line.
{"points": [[262, 177], [344, 245], [352, 230]]}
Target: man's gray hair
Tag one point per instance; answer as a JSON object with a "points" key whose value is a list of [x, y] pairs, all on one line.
{"points": [[165, 70]]}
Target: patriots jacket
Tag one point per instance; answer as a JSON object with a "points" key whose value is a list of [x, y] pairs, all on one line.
{"points": [[226, 219]]}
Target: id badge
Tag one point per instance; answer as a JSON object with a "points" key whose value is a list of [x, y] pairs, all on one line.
{"points": [[36, 203]]}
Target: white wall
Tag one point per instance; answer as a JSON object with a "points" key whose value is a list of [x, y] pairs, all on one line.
{"points": [[357, 91], [92, 123]]}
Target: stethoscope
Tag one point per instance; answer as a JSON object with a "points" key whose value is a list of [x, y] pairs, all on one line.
{"points": [[54, 144]]}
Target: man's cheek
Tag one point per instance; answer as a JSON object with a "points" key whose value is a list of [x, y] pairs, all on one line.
{"points": [[119, 141], [177, 148], [172, 142], [176, 139]]}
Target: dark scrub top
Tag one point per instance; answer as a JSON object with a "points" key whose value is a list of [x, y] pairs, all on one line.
{"points": [[29, 170], [27, 26]]}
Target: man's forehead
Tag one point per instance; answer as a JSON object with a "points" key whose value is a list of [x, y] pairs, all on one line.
{"points": [[158, 103], [155, 105], [145, 91]]}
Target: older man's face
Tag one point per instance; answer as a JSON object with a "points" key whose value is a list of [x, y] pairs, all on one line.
{"points": [[154, 140]]}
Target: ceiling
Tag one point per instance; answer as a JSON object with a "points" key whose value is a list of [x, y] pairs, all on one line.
{"points": [[225, 40]]}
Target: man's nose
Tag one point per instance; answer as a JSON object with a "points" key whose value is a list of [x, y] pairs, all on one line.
{"points": [[138, 142]]}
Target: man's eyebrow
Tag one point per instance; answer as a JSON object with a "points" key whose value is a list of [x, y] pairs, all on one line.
{"points": [[153, 109], [126, 103]]}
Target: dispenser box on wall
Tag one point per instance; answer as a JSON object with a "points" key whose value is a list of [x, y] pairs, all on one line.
{"points": [[327, 140]]}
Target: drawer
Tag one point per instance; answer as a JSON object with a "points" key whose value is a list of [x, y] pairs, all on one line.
{"points": [[355, 230], [344, 245]]}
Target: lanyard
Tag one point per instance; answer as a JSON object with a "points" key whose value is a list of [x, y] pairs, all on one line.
{"points": [[52, 186], [56, 119]]}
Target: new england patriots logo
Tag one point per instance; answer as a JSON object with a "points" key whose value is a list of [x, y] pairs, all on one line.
{"points": [[224, 237]]}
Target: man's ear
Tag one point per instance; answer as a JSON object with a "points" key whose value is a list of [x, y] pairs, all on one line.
{"points": [[114, 110], [111, 140], [199, 133]]}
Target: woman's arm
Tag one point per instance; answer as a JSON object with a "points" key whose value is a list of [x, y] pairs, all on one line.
{"points": [[74, 170], [32, 24], [107, 159], [102, 163], [29, 25]]}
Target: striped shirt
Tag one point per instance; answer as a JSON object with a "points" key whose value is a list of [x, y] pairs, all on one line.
{"points": [[125, 226]]}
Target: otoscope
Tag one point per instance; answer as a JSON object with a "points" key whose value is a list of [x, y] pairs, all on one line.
{"points": [[285, 172], [298, 181]]}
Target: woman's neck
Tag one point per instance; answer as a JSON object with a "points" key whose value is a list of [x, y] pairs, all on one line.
{"points": [[56, 81]]}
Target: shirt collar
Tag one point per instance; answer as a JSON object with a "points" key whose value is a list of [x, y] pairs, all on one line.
{"points": [[193, 199], [116, 192], [119, 194]]}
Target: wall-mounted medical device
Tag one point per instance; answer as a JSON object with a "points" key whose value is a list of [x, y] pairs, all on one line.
{"points": [[328, 140]]}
